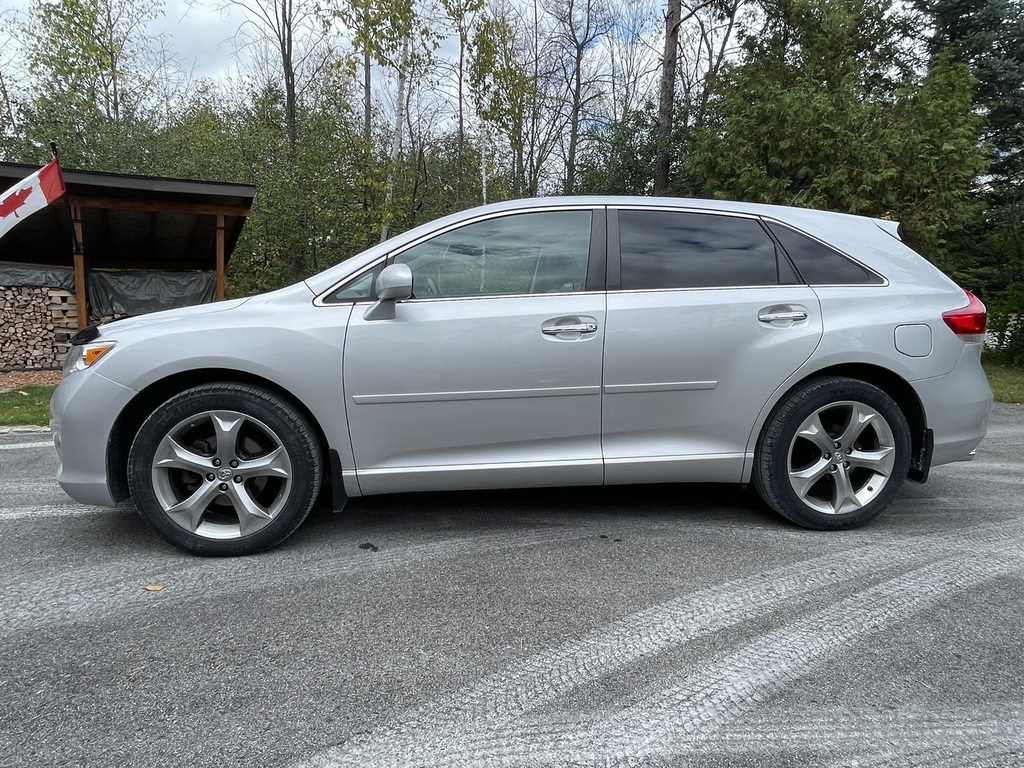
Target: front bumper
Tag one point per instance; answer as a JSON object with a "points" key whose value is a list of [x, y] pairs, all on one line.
{"points": [[83, 411]]}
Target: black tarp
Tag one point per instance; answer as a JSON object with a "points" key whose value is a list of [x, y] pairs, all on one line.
{"points": [[120, 292]]}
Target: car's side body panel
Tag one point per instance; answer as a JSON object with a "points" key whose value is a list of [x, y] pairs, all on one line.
{"points": [[477, 384], [686, 371]]}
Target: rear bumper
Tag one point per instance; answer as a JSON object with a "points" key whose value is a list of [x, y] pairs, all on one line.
{"points": [[957, 407]]}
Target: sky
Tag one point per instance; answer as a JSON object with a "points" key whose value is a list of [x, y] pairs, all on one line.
{"points": [[202, 38], [199, 35]]}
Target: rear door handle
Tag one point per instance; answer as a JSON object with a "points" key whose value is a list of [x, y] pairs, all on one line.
{"points": [[554, 330]]}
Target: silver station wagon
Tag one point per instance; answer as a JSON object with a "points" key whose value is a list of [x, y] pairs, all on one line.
{"points": [[546, 342]]}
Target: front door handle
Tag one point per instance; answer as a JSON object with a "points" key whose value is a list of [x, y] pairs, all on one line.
{"points": [[554, 330]]}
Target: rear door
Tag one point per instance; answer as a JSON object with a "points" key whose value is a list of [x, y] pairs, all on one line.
{"points": [[705, 321]]}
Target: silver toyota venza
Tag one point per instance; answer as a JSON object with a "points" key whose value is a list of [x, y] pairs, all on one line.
{"points": [[573, 341]]}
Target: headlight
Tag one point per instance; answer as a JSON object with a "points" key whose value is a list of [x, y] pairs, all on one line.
{"points": [[81, 356]]}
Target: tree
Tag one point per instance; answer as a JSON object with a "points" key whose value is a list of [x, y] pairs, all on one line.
{"points": [[513, 87], [462, 14], [813, 116], [668, 106], [298, 39], [988, 36], [579, 26], [92, 82]]}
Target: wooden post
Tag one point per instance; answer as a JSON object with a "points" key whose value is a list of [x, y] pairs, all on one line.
{"points": [[220, 257], [80, 294]]}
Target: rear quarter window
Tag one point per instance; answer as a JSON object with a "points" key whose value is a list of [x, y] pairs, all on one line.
{"points": [[817, 263]]}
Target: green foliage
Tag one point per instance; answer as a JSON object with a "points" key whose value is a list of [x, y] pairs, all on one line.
{"points": [[619, 159], [988, 35], [504, 91], [810, 119], [1007, 382], [90, 82], [376, 26]]}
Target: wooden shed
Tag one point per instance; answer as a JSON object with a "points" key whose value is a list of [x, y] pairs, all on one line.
{"points": [[113, 224]]}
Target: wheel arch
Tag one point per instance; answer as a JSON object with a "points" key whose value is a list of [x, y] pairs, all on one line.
{"points": [[128, 422], [894, 385]]}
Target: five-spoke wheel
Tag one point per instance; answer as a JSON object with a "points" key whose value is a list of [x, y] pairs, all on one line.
{"points": [[833, 454], [224, 469]]}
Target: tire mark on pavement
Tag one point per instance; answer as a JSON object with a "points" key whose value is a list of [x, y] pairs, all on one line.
{"points": [[1000, 753], [50, 510], [428, 734], [957, 738], [21, 446], [681, 717], [116, 587]]}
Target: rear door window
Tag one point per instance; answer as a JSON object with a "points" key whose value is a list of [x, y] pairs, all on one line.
{"points": [[675, 249]]}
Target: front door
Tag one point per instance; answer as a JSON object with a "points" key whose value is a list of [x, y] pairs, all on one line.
{"points": [[489, 376]]}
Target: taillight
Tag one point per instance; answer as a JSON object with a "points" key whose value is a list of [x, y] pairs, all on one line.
{"points": [[968, 323]]}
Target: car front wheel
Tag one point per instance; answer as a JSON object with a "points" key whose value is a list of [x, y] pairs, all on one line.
{"points": [[833, 454], [224, 469]]}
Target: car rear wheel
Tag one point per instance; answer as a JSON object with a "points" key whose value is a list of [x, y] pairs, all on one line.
{"points": [[833, 455], [224, 469]]}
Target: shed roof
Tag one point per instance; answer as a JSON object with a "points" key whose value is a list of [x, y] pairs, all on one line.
{"points": [[130, 222]]}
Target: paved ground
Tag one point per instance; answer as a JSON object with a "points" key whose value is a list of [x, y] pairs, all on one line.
{"points": [[635, 626]]}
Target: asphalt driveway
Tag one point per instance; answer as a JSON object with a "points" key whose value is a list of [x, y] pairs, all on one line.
{"points": [[670, 625]]}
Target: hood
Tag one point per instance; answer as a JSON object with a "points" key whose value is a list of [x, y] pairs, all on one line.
{"points": [[298, 293], [168, 315]]}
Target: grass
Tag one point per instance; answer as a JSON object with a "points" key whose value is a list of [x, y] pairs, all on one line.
{"points": [[1007, 383], [25, 406], [31, 405]]}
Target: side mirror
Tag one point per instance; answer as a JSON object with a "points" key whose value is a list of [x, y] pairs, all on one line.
{"points": [[394, 284]]}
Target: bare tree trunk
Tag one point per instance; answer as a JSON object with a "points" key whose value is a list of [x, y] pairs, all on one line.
{"points": [[667, 96], [8, 108], [286, 41], [396, 139], [367, 127], [483, 160], [461, 141]]}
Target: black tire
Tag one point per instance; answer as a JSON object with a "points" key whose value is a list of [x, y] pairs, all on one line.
{"points": [[867, 442], [224, 469]]}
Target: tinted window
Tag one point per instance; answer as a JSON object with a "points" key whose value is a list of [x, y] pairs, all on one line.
{"points": [[541, 252], [818, 264], [666, 249]]}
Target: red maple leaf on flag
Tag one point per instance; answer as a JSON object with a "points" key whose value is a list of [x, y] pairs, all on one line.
{"points": [[13, 202]]}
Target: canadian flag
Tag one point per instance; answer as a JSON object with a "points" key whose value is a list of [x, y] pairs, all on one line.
{"points": [[30, 195]]}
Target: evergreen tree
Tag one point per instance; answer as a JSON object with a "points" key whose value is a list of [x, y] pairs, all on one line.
{"points": [[823, 112]]}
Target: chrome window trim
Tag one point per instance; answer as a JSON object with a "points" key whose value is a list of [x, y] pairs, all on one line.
{"points": [[321, 300], [620, 291]]}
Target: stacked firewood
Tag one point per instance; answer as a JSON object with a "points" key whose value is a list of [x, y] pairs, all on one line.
{"points": [[37, 326]]}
